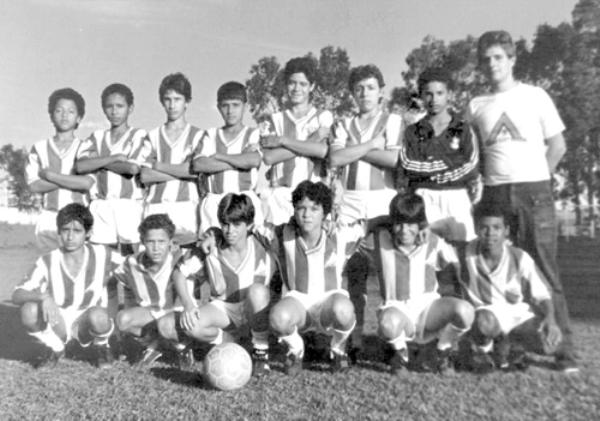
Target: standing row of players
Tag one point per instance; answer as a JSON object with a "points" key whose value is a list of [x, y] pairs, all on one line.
{"points": [[185, 172]]}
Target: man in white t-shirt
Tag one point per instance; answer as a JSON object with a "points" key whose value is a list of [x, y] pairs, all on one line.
{"points": [[521, 142]]}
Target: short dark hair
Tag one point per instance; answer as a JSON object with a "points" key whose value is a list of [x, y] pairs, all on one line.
{"points": [[155, 222], [317, 192], [492, 38], [235, 208], [117, 88], [75, 212], [408, 208], [232, 90], [365, 72], [66, 93], [491, 209], [175, 82], [304, 65], [434, 74]]}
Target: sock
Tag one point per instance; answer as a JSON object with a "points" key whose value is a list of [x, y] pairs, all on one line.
{"points": [[339, 338], [294, 342], [180, 346], [219, 339], [260, 340], [101, 339], [357, 336], [399, 342], [449, 336], [49, 338], [487, 347]]}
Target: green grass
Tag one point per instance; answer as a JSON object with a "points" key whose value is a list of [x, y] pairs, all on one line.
{"points": [[76, 390]]}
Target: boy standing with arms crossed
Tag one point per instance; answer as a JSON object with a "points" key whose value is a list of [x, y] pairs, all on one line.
{"points": [[521, 143]]}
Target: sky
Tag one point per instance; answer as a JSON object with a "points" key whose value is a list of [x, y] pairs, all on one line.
{"points": [[88, 44]]}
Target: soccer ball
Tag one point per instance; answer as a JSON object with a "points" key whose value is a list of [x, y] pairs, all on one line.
{"points": [[227, 366]]}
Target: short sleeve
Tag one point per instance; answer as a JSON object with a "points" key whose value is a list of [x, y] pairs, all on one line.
{"points": [[190, 265], [349, 238], [88, 148], [550, 120], [393, 132], [339, 135], [37, 279], [33, 166], [326, 119], [531, 275], [445, 255]]}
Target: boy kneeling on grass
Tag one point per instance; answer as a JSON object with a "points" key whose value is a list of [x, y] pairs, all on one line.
{"points": [[64, 297], [512, 300]]}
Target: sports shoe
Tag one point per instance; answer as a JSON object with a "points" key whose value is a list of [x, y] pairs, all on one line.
{"points": [[398, 360], [48, 358], [501, 352], [439, 361], [260, 362], [292, 364], [103, 356], [185, 358], [517, 358], [482, 363], [565, 362], [339, 362], [149, 356]]}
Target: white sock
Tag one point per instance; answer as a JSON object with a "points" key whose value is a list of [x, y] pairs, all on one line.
{"points": [[449, 336], [487, 347], [294, 342], [339, 338], [399, 342], [260, 340], [219, 339], [49, 338]]}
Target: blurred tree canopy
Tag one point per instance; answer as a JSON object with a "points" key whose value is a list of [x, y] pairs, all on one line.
{"points": [[14, 161]]}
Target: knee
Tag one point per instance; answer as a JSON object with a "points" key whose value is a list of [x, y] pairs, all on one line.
{"points": [[486, 324], [124, 320], [99, 320], [258, 297], [30, 316], [343, 312], [391, 324], [464, 315], [281, 319], [166, 326]]}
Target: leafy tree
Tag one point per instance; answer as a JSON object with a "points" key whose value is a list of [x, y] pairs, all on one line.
{"points": [[14, 162]]}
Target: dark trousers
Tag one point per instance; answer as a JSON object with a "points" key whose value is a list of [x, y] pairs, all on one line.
{"points": [[533, 228]]}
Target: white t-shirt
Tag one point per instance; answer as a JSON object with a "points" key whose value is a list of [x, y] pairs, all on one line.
{"points": [[512, 127]]}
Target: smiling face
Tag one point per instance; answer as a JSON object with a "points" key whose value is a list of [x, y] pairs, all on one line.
{"points": [[65, 116], [299, 89], [367, 94], [157, 245], [492, 232], [309, 216], [497, 65], [72, 236], [174, 104], [436, 97], [117, 109], [405, 234], [232, 111]]}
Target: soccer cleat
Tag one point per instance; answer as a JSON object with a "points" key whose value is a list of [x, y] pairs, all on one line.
{"points": [[353, 354], [339, 362], [482, 363], [517, 358], [48, 358], [501, 352], [103, 356], [260, 362], [149, 356], [185, 358], [566, 363], [440, 360], [398, 360]]}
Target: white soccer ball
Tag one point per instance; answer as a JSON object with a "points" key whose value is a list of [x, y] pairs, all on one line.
{"points": [[227, 366]]}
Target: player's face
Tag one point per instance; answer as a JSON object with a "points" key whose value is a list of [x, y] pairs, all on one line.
{"points": [[436, 97], [497, 65], [309, 215], [367, 94], [299, 89], [65, 115], [232, 111], [72, 236], [157, 245], [235, 232], [492, 232], [174, 104], [117, 110], [405, 234]]}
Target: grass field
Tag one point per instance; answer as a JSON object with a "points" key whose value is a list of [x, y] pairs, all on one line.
{"points": [[76, 390]]}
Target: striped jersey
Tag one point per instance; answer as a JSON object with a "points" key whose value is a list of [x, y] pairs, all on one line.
{"points": [[293, 171], [314, 270], [45, 154], [145, 289], [404, 276], [230, 181], [516, 278], [158, 147], [74, 291], [110, 185], [228, 283], [361, 175]]}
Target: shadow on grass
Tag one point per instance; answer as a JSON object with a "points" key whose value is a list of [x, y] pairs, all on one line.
{"points": [[185, 378], [16, 344]]}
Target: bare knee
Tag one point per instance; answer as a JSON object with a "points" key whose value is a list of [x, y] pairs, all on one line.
{"points": [[464, 315], [166, 326], [258, 297], [391, 323], [30, 316], [343, 312], [99, 320], [124, 320], [486, 324], [282, 319]]}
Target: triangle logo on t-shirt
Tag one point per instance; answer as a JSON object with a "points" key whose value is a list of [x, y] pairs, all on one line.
{"points": [[504, 131]]}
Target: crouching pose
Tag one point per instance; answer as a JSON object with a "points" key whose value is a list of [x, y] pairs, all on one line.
{"points": [[413, 270], [312, 260], [509, 294], [146, 280], [64, 298], [238, 269]]}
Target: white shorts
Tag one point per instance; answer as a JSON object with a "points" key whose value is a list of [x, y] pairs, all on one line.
{"points": [[314, 306], [72, 319], [235, 312], [183, 214], [46, 233], [417, 310], [364, 204], [116, 221], [210, 204], [449, 213], [509, 315], [277, 204]]}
